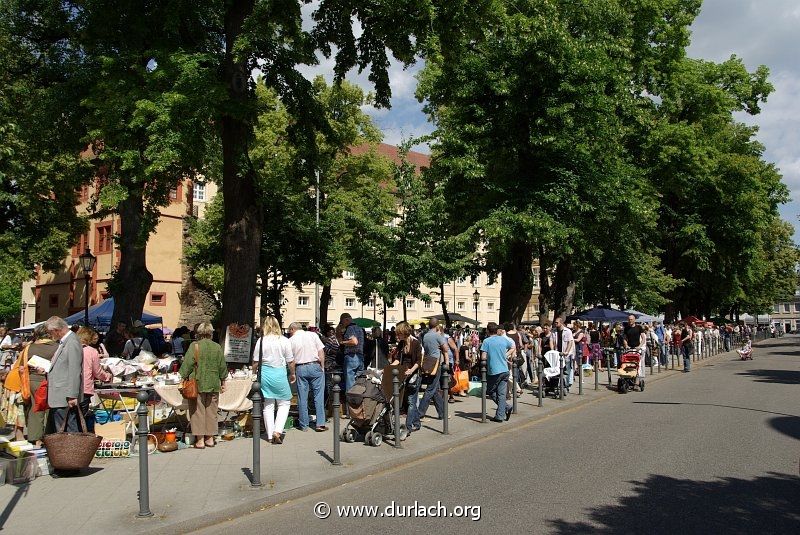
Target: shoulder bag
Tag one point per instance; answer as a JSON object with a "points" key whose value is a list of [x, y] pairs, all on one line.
{"points": [[18, 379], [188, 387]]}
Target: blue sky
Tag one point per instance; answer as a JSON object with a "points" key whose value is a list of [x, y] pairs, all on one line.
{"points": [[758, 31]]}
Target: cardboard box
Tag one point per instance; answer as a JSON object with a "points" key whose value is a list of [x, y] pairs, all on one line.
{"points": [[111, 430]]}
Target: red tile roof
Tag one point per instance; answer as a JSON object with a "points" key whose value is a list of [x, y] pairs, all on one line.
{"points": [[417, 159]]}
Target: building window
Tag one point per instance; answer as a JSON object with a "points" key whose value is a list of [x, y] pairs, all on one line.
{"points": [[490, 306], [349, 302], [349, 275], [797, 307], [447, 305], [104, 241], [776, 308], [461, 305], [175, 193], [786, 307], [158, 299], [489, 282], [535, 277], [462, 281], [535, 308], [302, 301], [428, 305], [80, 247], [477, 282], [391, 305], [199, 192], [411, 304], [52, 301], [331, 303]]}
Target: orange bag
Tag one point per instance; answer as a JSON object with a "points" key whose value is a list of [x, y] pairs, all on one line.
{"points": [[18, 379], [460, 380]]}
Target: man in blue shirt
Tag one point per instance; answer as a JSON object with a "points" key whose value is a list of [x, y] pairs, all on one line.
{"points": [[353, 343], [435, 345], [494, 350], [659, 330]]}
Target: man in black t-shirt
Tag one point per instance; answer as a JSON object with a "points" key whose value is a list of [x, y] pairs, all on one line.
{"points": [[634, 334], [636, 339]]}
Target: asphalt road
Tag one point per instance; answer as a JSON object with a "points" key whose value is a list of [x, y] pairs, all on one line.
{"points": [[716, 450]]}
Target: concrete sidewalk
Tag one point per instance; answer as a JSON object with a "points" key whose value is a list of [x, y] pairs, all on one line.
{"points": [[195, 488]]}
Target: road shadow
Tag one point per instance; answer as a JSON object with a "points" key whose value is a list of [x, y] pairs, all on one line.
{"points": [[713, 405], [21, 490], [785, 377], [788, 425], [325, 456], [660, 504]]}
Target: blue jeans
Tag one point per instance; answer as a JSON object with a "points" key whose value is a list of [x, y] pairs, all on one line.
{"points": [[310, 377], [662, 354], [496, 390], [412, 396], [353, 364], [432, 391], [568, 362], [687, 358]]}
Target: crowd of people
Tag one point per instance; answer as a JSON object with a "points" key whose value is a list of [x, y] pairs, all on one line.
{"points": [[42, 399]]}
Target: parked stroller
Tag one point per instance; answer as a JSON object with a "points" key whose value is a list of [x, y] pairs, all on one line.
{"points": [[628, 372], [746, 353], [554, 369], [369, 402]]}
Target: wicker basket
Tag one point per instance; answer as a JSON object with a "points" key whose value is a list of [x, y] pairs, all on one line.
{"points": [[71, 451]]}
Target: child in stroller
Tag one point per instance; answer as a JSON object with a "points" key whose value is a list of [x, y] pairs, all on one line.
{"points": [[370, 402], [746, 353], [628, 373]]}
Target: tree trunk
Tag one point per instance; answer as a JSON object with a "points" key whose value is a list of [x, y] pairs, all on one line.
{"points": [[266, 298], [544, 287], [132, 280], [405, 310], [563, 288], [324, 300], [198, 303], [243, 217], [444, 306], [517, 282]]}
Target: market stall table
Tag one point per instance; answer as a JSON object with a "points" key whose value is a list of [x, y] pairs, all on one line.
{"points": [[234, 399], [115, 394]]}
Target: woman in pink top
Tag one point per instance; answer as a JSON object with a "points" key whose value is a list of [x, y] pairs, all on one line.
{"points": [[91, 369]]}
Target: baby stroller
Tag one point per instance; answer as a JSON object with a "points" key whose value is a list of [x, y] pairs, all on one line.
{"points": [[628, 372], [553, 370], [746, 353], [370, 401]]}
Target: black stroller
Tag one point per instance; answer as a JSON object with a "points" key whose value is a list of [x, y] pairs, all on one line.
{"points": [[369, 402], [555, 374]]}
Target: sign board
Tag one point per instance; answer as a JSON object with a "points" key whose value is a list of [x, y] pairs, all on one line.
{"points": [[238, 340]]}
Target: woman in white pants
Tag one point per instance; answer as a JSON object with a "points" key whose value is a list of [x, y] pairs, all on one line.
{"points": [[274, 352]]}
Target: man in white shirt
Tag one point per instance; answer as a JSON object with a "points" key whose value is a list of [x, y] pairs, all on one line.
{"points": [[562, 341], [309, 359]]}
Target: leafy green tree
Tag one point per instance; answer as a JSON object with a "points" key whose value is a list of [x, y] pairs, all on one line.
{"points": [[39, 166], [718, 227], [534, 118]]}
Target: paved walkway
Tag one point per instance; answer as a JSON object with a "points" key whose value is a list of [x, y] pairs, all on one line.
{"points": [[192, 488]]}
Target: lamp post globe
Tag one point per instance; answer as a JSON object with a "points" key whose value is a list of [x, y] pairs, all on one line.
{"points": [[476, 298]]}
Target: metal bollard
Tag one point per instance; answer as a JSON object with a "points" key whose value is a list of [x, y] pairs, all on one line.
{"points": [[514, 369], [561, 383], [396, 405], [651, 363], [337, 403], [672, 355], [580, 375], [540, 371], [483, 391], [445, 387], [608, 364], [141, 447], [256, 416], [596, 376]]}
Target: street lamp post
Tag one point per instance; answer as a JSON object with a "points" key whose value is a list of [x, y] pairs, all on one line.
{"points": [[476, 298], [87, 264]]}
